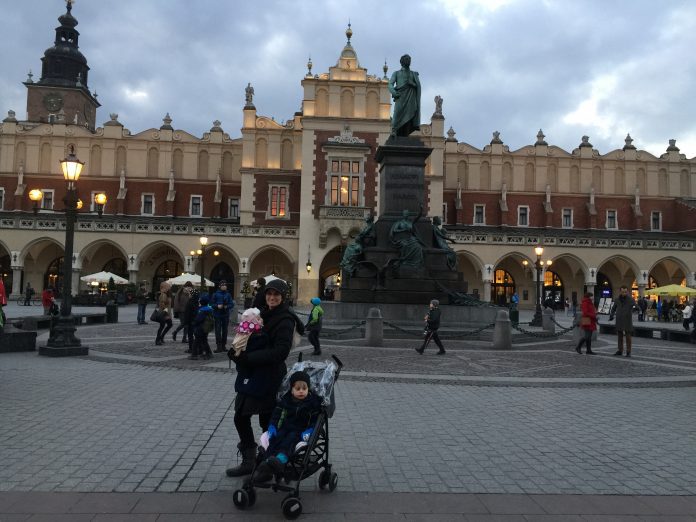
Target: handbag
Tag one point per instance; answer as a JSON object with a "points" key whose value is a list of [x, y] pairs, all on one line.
{"points": [[156, 316], [585, 321]]}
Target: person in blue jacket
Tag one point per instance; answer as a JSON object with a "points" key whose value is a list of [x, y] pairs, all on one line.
{"points": [[200, 330], [222, 305]]}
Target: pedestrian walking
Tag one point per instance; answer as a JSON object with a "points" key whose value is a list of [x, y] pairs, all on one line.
{"points": [[574, 304], [313, 326], [267, 367], [181, 299], [47, 300], [163, 312], [432, 323], [141, 299], [190, 313], [203, 324], [687, 312], [588, 323], [567, 306], [514, 301], [622, 309], [260, 296], [222, 305], [28, 294]]}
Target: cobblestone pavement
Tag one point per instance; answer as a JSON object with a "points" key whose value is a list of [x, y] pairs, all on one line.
{"points": [[158, 424]]}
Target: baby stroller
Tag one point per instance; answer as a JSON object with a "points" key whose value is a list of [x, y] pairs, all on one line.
{"points": [[309, 459]]}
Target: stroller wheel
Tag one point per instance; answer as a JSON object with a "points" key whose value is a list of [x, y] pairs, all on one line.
{"points": [[292, 507], [333, 481], [323, 479], [241, 498], [251, 492]]}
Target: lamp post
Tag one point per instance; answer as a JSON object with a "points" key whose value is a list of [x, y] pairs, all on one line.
{"points": [[200, 255], [62, 341], [539, 265]]}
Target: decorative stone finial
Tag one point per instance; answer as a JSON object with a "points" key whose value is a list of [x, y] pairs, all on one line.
{"points": [[385, 68], [10, 117], [672, 146], [167, 123], [216, 126], [349, 33], [451, 134], [628, 143], [69, 4], [78, 82], [585, 142], [309, 66], [249, 97], [540, 139], [30, 77], [94, 95], [496, 138]]}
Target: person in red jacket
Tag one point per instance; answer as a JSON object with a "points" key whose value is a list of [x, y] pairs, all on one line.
{"points": [[588, 323], [47, 300]]}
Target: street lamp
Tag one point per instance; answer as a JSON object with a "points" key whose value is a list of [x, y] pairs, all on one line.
{"points": [[200, 254], [36, 195], [62, 341], [100, 200], [539, 264]]}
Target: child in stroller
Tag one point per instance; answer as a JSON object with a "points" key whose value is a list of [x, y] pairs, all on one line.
{"points": [[292, 422], [300, 445]]}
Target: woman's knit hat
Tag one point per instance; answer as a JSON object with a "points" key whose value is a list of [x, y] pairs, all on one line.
{"points": [[299, 376], [279, 286]]}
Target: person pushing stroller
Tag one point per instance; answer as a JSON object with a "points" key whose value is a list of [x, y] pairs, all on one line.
{"points": [[292, 422]]}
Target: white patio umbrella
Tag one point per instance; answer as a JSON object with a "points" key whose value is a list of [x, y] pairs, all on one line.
{"points": [[268, 278], [103, 277], [184, 278]]}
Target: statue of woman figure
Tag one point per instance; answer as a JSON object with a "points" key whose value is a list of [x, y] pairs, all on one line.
{"points": [[441, 239], [403, 236], [354, 251], [405, 88]]}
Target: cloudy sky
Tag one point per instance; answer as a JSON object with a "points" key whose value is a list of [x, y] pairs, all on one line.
{"points": [[598, 67]]}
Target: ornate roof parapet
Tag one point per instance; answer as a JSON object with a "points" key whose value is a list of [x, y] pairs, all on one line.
{"points": [[672, 146], [437, 115], [167, 123], [540, 140], [346, 138], [113, 122], [628, 143], [585, 142], [10, 117], [496, 138], [451, 135]]}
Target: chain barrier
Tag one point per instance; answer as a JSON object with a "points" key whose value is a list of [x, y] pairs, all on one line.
{"points": [[563, 328], [464, 334], [543, 335], [336, 333]]}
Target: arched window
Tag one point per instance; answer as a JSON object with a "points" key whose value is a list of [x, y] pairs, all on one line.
{"points": [[95, 160], [118, 266], [641, 181], [165, 270], [53, 277], [223, 272], [685, 183], [286, 159], [619, 181], [662, 182], [120, 159], [227, 165], [347, 103], [20, 155], [322, 102], [485, 176], [507, 175], [261, 153], [529, 177], [574, 179], [203, 164], [372, 103], [178, 162], [502, 288], [152, 162], [553, 290]]}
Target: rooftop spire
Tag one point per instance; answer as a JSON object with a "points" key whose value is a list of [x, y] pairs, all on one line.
{"points": [[349, 32]]}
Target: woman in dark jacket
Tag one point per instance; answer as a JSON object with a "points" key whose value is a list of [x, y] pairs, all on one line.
{"points": [[267, 369]]}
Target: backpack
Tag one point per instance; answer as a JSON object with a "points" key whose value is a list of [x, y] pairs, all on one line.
{"points": [[208, 323]]}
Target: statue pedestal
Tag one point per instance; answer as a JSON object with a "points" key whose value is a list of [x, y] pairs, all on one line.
{"points": [[381, 276]]}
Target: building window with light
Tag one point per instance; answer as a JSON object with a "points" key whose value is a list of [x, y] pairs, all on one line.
{"points": [[47, 200], [656, 221], [147, 205], [522, 216], [444, 213], [612, 223], [233, 208], [278, 201], [345, 180], [479, 214], [567, 218], [196, 206]]}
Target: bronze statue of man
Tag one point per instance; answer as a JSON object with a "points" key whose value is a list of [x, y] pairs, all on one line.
{"points": [[405, 88]]}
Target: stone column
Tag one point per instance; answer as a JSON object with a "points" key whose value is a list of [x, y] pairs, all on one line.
{"points": [[133, 276], [641, 290], [486, 292], [16, 280], [75, 283]]}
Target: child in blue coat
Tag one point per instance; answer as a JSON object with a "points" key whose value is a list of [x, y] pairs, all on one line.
{"points": [[204, 317]]}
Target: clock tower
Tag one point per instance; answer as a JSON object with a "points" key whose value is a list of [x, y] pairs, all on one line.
{"points": [[62, 94]]}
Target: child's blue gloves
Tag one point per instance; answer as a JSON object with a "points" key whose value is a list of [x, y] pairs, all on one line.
{"points": [[272, 431], [306, 434]]}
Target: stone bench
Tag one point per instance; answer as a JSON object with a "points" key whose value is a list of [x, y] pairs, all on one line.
{"points": [[15, 340], [666, 334]]}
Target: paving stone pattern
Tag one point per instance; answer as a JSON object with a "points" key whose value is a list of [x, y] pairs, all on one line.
{"points": [[82, 425]]}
